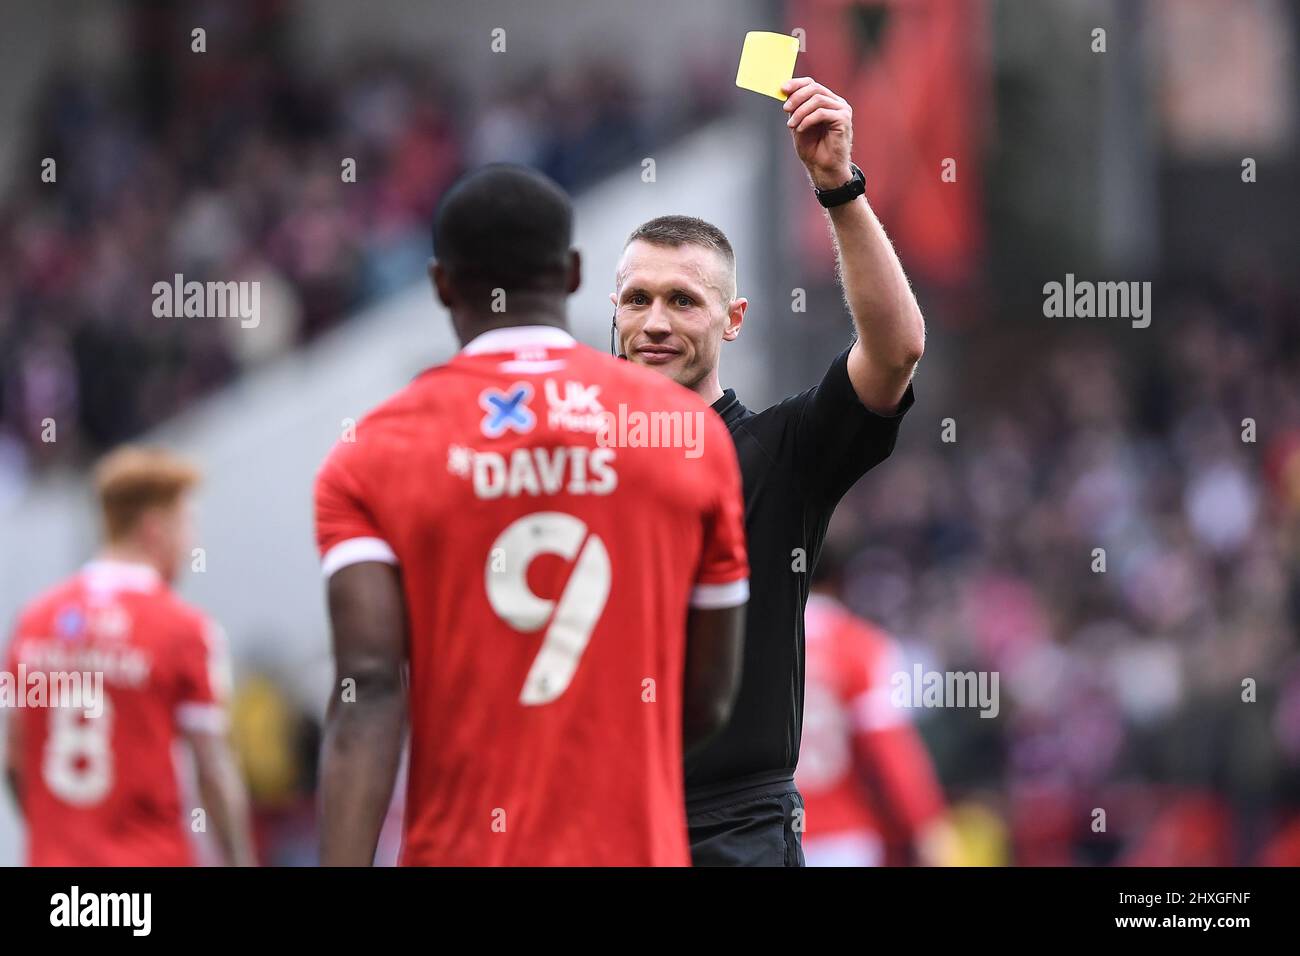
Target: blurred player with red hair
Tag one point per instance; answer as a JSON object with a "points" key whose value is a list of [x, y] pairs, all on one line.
{"points": [[94, 776]]}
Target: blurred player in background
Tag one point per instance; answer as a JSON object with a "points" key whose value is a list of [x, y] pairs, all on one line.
{"points": [[568, 613], [868, 784], [675, 305], [96, 785]]}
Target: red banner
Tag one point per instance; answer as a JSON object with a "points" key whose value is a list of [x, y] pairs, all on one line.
{"points": [[915, 73]]}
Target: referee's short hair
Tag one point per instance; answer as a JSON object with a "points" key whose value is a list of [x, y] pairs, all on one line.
{"points": [[677, 231], [505, 226], [683, 231]]}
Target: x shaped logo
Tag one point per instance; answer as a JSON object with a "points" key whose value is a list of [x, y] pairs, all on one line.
{"points": [[507, 410]]}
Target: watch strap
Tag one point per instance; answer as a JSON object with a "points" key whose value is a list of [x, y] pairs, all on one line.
{"points": [[855, 187]]}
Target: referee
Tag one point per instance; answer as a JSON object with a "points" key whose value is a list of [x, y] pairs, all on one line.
{"points": [[675, 305]]}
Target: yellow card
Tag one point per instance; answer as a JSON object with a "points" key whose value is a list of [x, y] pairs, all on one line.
{"points": [[766, 62]]}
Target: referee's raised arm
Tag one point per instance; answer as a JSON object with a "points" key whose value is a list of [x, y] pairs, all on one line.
{"points": [[676, 305], [891, 331]]}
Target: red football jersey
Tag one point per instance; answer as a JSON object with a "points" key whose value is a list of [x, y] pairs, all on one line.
{"points": [[863, 771], [99, 783], [547, 566]]}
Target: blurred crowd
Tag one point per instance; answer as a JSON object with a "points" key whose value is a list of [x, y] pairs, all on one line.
{"points": [[1148, 713], [230, 166], [1163, 690]]}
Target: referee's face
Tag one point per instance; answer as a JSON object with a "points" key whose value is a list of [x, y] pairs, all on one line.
{"points": [[674, 307]]}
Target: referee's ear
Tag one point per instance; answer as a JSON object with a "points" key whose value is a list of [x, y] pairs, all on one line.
{"points": [[735, 319]]}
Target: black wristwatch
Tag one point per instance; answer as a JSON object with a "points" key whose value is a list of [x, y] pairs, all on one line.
{"points": [[850, 191]]}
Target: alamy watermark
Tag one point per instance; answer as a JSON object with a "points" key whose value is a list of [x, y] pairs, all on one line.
{"points": [[1084, 299], [208, 300], [133, 911], [922, 688], [577, 407], [77, 690], [634, 428]]}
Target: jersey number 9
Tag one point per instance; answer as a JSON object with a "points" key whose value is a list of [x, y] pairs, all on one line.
{"points": [[572, 618]]}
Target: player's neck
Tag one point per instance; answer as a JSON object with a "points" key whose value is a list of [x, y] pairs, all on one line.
{"points": [[513, 320], [124, 552]]}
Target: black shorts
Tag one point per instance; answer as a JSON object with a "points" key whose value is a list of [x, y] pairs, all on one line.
{"points": [[753, 822]]}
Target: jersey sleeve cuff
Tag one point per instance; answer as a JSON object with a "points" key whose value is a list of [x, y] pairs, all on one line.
{"points": [[201, 718], [838, 384], [874, 710], [711, 597], [354, 551]]}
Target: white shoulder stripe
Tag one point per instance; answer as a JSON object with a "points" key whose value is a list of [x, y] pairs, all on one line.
{"points": [[875, 710], [711, 597], [201, 718], [354, 551]]}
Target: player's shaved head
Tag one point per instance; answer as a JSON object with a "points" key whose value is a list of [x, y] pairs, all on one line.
{"points": [[502, 241], [505, 227]]}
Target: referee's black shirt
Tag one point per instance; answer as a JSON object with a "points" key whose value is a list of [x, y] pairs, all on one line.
{"points": [[797, 458]]}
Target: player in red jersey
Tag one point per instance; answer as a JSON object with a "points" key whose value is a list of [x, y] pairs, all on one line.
{"points": [[866, 779], [559, 576], [128, 669]]}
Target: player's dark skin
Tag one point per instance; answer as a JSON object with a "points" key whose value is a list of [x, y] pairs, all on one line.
{"points": [[13, 775], [364, 733], [14, 783], [364, 729]]}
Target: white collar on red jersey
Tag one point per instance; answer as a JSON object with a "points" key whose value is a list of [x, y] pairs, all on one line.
{"points": [[519, 337], [106, 575], [822, 601]]}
